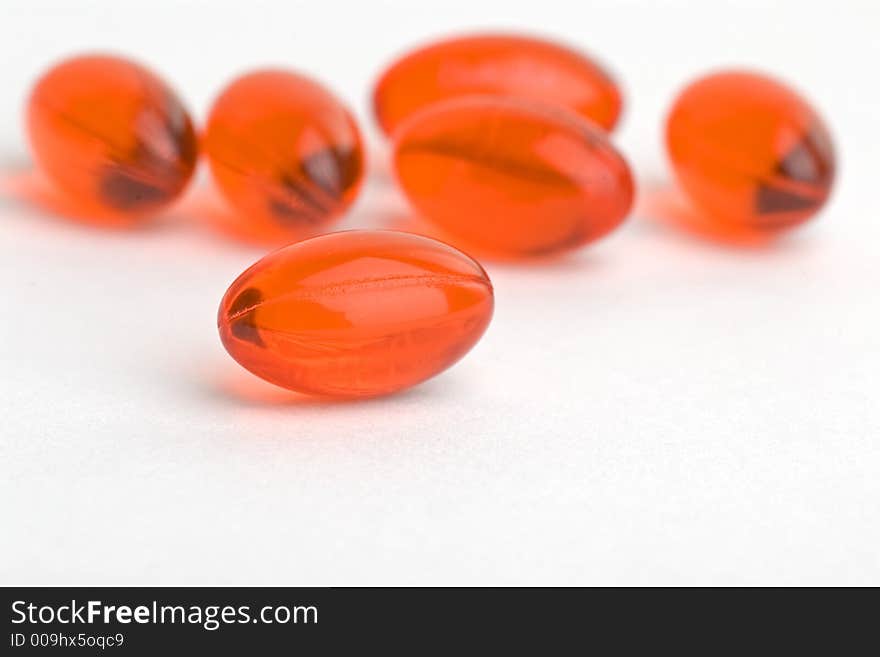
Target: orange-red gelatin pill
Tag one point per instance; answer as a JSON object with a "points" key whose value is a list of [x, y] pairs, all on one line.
{"points": [[512, 177], [111, 135], [750, 152], [285, 152], [356, 313], [496, 64]]}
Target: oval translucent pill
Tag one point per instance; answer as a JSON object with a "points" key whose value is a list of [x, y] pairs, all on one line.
{"points": [[512, 177], [111, 135], [285, 152], [356, 313], [496, 64], [750, 151]]}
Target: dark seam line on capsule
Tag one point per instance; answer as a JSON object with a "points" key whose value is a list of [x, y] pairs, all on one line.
{"points": [[119, 158], [269, 187], [807, 191], [253, 150], [259, 180], [791, 188], [768, 178], [288, 214], [282, 167], [506, 165], [345, 286], [118, 152], [302, 192], [311, 344]]}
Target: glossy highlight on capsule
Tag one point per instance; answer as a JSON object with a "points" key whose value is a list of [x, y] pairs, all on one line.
{"points": [[112, 136], [512, 178], [285, 152], [496, 64], [356, 313], [750, 152]]}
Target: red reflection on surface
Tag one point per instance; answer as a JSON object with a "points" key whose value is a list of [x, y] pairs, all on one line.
{"points": [[414, 223], [31, 188], [205, 207], [667, 205], [236, 385], [242, 386]]}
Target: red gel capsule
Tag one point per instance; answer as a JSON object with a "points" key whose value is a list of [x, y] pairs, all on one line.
{"points": [[750, 152], [285, 152], [512, 177], [356, 313], [496, 64], [111, 135]]}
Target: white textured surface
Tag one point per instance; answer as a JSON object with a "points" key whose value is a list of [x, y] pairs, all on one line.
{"points": [[654, 410]]}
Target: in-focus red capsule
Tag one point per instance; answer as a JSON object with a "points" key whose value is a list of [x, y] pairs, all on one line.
{"points": [[750, 152], [285, 152], [511, 177], [112, 136], [496, 64], [356, 313]]}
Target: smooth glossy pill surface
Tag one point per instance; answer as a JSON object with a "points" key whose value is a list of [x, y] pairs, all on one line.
{"points": [[750, 151], [511, 177], [496, 64], [285, 152], [356, 313], [111, 135]]}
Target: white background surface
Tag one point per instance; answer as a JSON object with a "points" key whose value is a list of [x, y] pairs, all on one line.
{"points": [[656, 409]]}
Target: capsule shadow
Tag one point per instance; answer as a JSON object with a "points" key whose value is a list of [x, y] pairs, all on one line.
{"points": [[244, 389], [665, 204], [568, 259], [208, 210], [27, 187]]}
